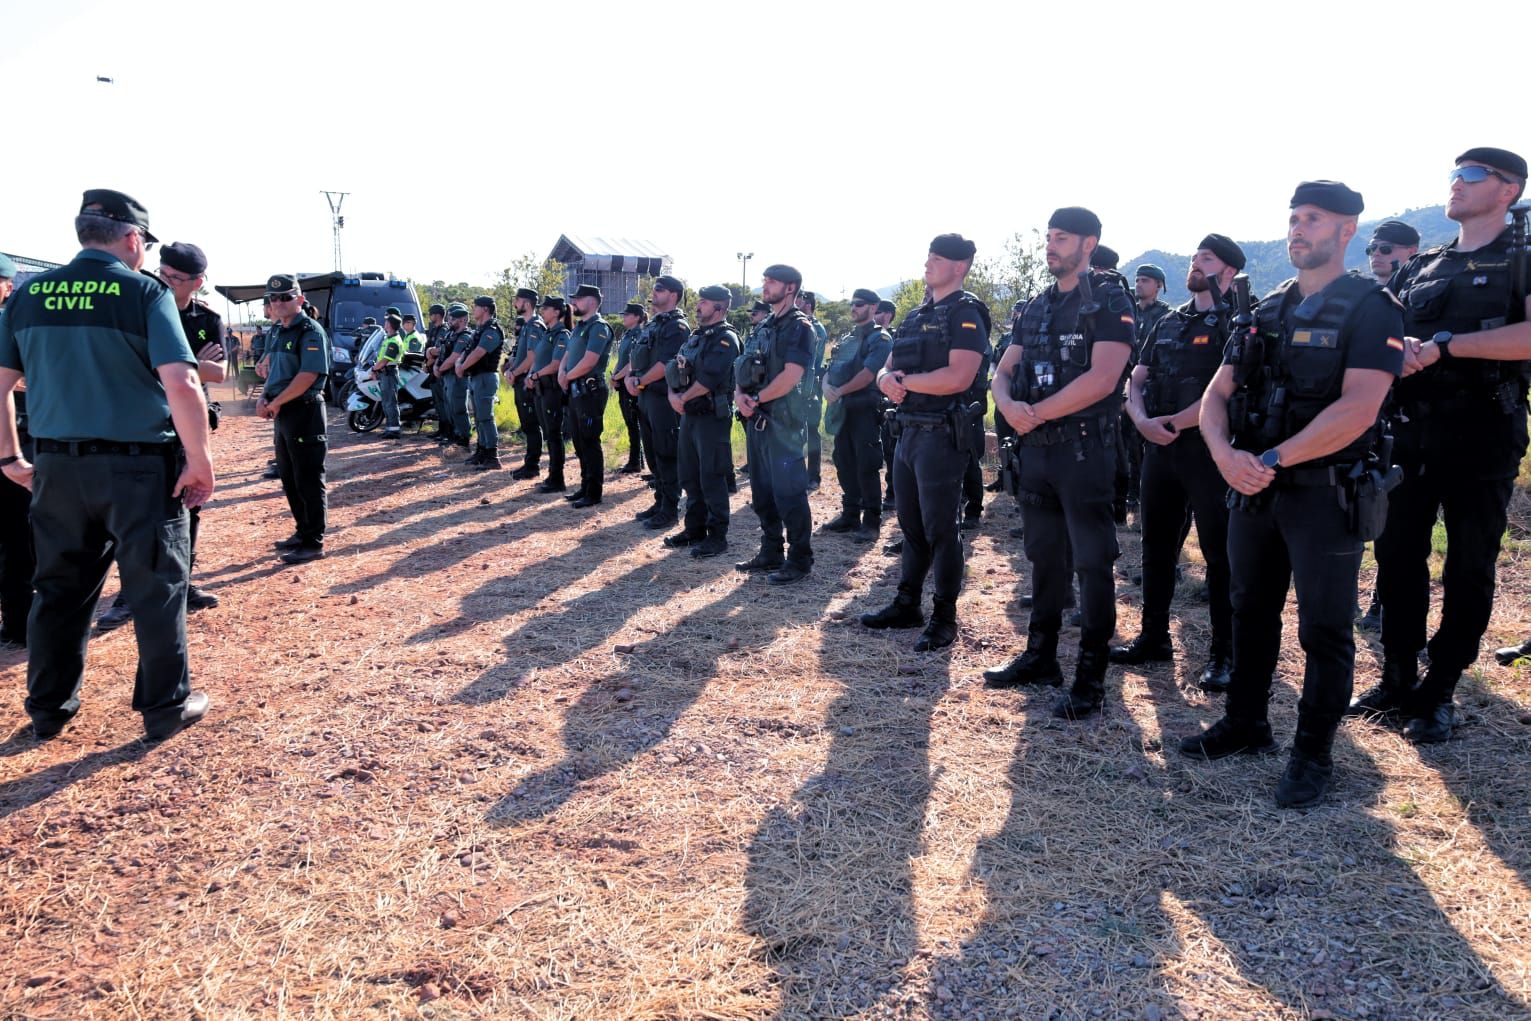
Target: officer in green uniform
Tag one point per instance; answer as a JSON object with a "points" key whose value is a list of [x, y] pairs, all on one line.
{"points": [[389, 354], [1461, 437], [437, 346], [583, 374], [16, 559], [1291, 419], [809, 303], [633, 320], [414, 345], [542, 380], [529, 333], [299, 353], [701, 385], [479, 367], [658, 344], [1178, 359], [770, 380], [457, 384], [1060, 387], [120, 428], [850, 391], [935, 355]]}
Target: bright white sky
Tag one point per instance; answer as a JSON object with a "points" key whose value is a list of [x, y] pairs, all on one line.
{"points": [[836, 137]]}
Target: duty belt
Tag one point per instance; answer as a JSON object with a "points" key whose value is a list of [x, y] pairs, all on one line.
{"points": [[923, 420], [81, 448], [1069, 430], [314, 398], [1302, 478], [584, 385]]}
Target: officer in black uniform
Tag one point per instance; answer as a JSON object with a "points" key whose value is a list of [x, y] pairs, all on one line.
{"points": [[936, 353], [1179, 357], [1060, 388], [17, 560], [436, 347], [583, 373], [121, 441], [480, 367], [1461, 434], [1290, 420], [299, 354], [771, 381], [852, 398], [634, 318], [542, 380], [530, 330], [883, 317], [701, 386], [1147, 286], [658, 344], [758, 313], [977, 441], [460, 342]]}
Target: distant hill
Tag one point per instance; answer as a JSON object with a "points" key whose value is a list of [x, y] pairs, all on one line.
{"points": [[1268, 265]]}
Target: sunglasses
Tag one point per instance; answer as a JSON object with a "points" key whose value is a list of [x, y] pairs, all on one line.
{"points": [[148, 245], [860, 304], [1384, 249], [1473, 174], [286, 296]]}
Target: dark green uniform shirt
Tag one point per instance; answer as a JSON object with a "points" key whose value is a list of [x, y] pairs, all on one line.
{"points": [[89, 337], [550, 347], [301, 347], [590, 335], [529, 334]]}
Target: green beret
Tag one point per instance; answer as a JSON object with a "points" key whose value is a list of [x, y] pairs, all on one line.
{"points": [[1331, 195], [782, 273], [865, 296], [7, 267], [1152, 272], [716, 292], [457, 310]]}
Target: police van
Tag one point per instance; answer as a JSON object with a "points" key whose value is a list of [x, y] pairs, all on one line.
{"points": [[342, 301]]}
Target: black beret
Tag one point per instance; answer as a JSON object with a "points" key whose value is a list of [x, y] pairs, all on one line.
{"points": [[782, 273], [457, 310], [484, 301], [868, 296], [527, 293], [409, 317], [437, 310], [808, 298], [1395, 232], [952, 246], [394, 321], [760, 306], [886, 306], [281, 283], [1499, 159], [669, 283], [1331, 195], [1224, 248], [184, 256], [588, 291], [392, 310], [114, 205], [554, 301], [1104, 257], [1152, 272], [1075, 220], [634, 309], [716, 292]]}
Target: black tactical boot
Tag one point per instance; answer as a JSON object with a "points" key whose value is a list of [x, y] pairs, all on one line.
{"points": [[1217, 675], [1230, 736], [765, 560], [1037, 665], [715, 543], [942, 630], [1309, 770], [1088, 692], [1432, 714], [869, 527], [662, 518], [815, 459], [788, 573], [1371, 620], [845, 521], [682, 539], [489, 457], [526, 471], [903, 612], [1148, 647], [550, 485], [478, 455], [1390, 695], [1510, 653]]}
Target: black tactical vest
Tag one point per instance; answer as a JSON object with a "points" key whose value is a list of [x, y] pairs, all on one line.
{"points": [[849, 358], [1304, 361], [1460, 292], [1187, 346], [1055, 351], [491, 360], [923, 343]]}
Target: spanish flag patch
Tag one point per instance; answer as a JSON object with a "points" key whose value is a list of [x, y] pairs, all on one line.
{"points": [[970, 326], [1200, 341], [1395, 343], [1129, 320]]}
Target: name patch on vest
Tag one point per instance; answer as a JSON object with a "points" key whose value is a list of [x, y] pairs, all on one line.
{"points": [[1316, 338]]}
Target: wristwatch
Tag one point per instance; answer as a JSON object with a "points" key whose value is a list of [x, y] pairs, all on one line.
{"points": [[1271, 459], [1442, 342], [9, 460]]}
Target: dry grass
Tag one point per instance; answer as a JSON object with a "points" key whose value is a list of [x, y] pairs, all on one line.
{"points": [[432, 786]]}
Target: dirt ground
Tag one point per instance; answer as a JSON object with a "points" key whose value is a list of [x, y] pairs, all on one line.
{"points": [[494, 757]]}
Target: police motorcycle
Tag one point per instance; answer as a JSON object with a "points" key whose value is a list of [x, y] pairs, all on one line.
{"points": [[364, 408]]}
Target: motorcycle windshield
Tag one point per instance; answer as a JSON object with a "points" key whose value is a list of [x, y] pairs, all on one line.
{"points": [[368, 347]]}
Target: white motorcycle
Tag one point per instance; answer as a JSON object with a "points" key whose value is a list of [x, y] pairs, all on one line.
{"points": [[364, 406]]}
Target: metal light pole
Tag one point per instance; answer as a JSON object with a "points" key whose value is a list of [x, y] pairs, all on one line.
{"points": [[744, 269], [336, 220]]}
